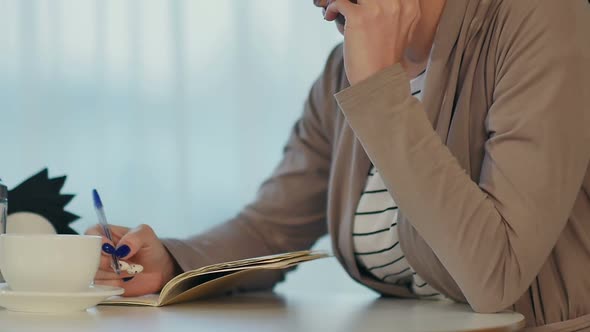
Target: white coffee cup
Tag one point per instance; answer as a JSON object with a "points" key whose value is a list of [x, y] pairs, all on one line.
{"points": [[49, 263]]}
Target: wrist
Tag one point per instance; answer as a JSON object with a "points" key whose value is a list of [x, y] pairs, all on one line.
{"points": [[171, 269]]}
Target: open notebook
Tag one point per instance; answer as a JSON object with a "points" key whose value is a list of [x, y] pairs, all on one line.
{"points": [[216, 279]]}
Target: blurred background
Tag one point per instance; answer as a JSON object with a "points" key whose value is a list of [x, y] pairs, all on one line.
{"points": [[174, 110]]}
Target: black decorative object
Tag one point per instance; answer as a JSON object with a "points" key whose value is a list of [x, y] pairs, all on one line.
{"points": [[41, 195]]}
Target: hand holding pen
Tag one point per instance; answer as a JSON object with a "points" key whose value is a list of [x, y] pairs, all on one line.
{"points": [[145, 265], [121, 251]]}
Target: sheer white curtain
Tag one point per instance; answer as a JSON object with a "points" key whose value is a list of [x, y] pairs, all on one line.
{"points": [[174, 110]]}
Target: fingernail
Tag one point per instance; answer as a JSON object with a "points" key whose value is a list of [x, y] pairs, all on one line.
{"points": [[123, 265], [107, 248], [127, 279], [134, 269], [122, 251]]}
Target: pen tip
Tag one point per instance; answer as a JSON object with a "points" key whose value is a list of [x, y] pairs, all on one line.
{"points": [[96, 198]]}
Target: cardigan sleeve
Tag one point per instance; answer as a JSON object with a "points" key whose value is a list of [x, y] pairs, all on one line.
{"points": [[289, 212]]}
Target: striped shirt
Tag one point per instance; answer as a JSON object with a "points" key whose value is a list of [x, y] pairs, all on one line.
{"points": [[375, 236]]}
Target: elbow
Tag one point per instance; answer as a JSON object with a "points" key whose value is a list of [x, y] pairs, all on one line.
{"points": [[492, 300], [498, 286], [487, 307], [495, 294]]}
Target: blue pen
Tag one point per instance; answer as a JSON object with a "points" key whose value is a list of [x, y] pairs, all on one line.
{"points": [[102, 219]]}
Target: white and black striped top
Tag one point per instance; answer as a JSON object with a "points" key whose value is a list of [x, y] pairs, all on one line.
{"points": [[375, 235]]}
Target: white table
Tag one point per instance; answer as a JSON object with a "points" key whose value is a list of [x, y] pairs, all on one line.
{"points": [[317, 297], [289, 311]]}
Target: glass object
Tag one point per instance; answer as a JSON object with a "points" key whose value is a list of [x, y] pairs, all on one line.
{"points": [[3, 207], [3, 212]]}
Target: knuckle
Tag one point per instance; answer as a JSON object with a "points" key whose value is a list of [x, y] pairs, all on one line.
{"points": [[92, 230], [373, 13], [412, 8], [146, 231], [146, 228], [366, 16]]}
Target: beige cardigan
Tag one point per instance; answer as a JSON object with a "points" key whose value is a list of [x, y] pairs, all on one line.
{"points": [[495, 199]]}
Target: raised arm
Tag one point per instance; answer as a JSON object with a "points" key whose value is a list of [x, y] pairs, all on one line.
{"points": [[494, 235]]}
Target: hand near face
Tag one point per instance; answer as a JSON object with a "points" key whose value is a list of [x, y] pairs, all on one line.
{"points": [[376, 33]]}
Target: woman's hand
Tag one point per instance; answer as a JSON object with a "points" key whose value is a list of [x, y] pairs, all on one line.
{"points": [[139, 246], [376, 33]]}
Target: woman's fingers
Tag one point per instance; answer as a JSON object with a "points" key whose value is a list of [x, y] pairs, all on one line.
{"points": [[125, 242], [125, 267], [134, 240], [105, 263], [109, 282], [110, 275], [139, 244], [344, 7], [377, 33], [117, 232], [130, 268], [108, 247]]}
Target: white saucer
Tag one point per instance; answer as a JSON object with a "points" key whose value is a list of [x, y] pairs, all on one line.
{"points": [[41, 302]]}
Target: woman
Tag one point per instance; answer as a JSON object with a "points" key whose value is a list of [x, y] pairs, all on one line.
{"points": [[488, 166]]}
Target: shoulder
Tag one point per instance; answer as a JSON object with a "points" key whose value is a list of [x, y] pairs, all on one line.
{"points": [[548, 10], [541, 33], [337, 54], [321, 107], [563, 22], [334, 68], [331, 80]]}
